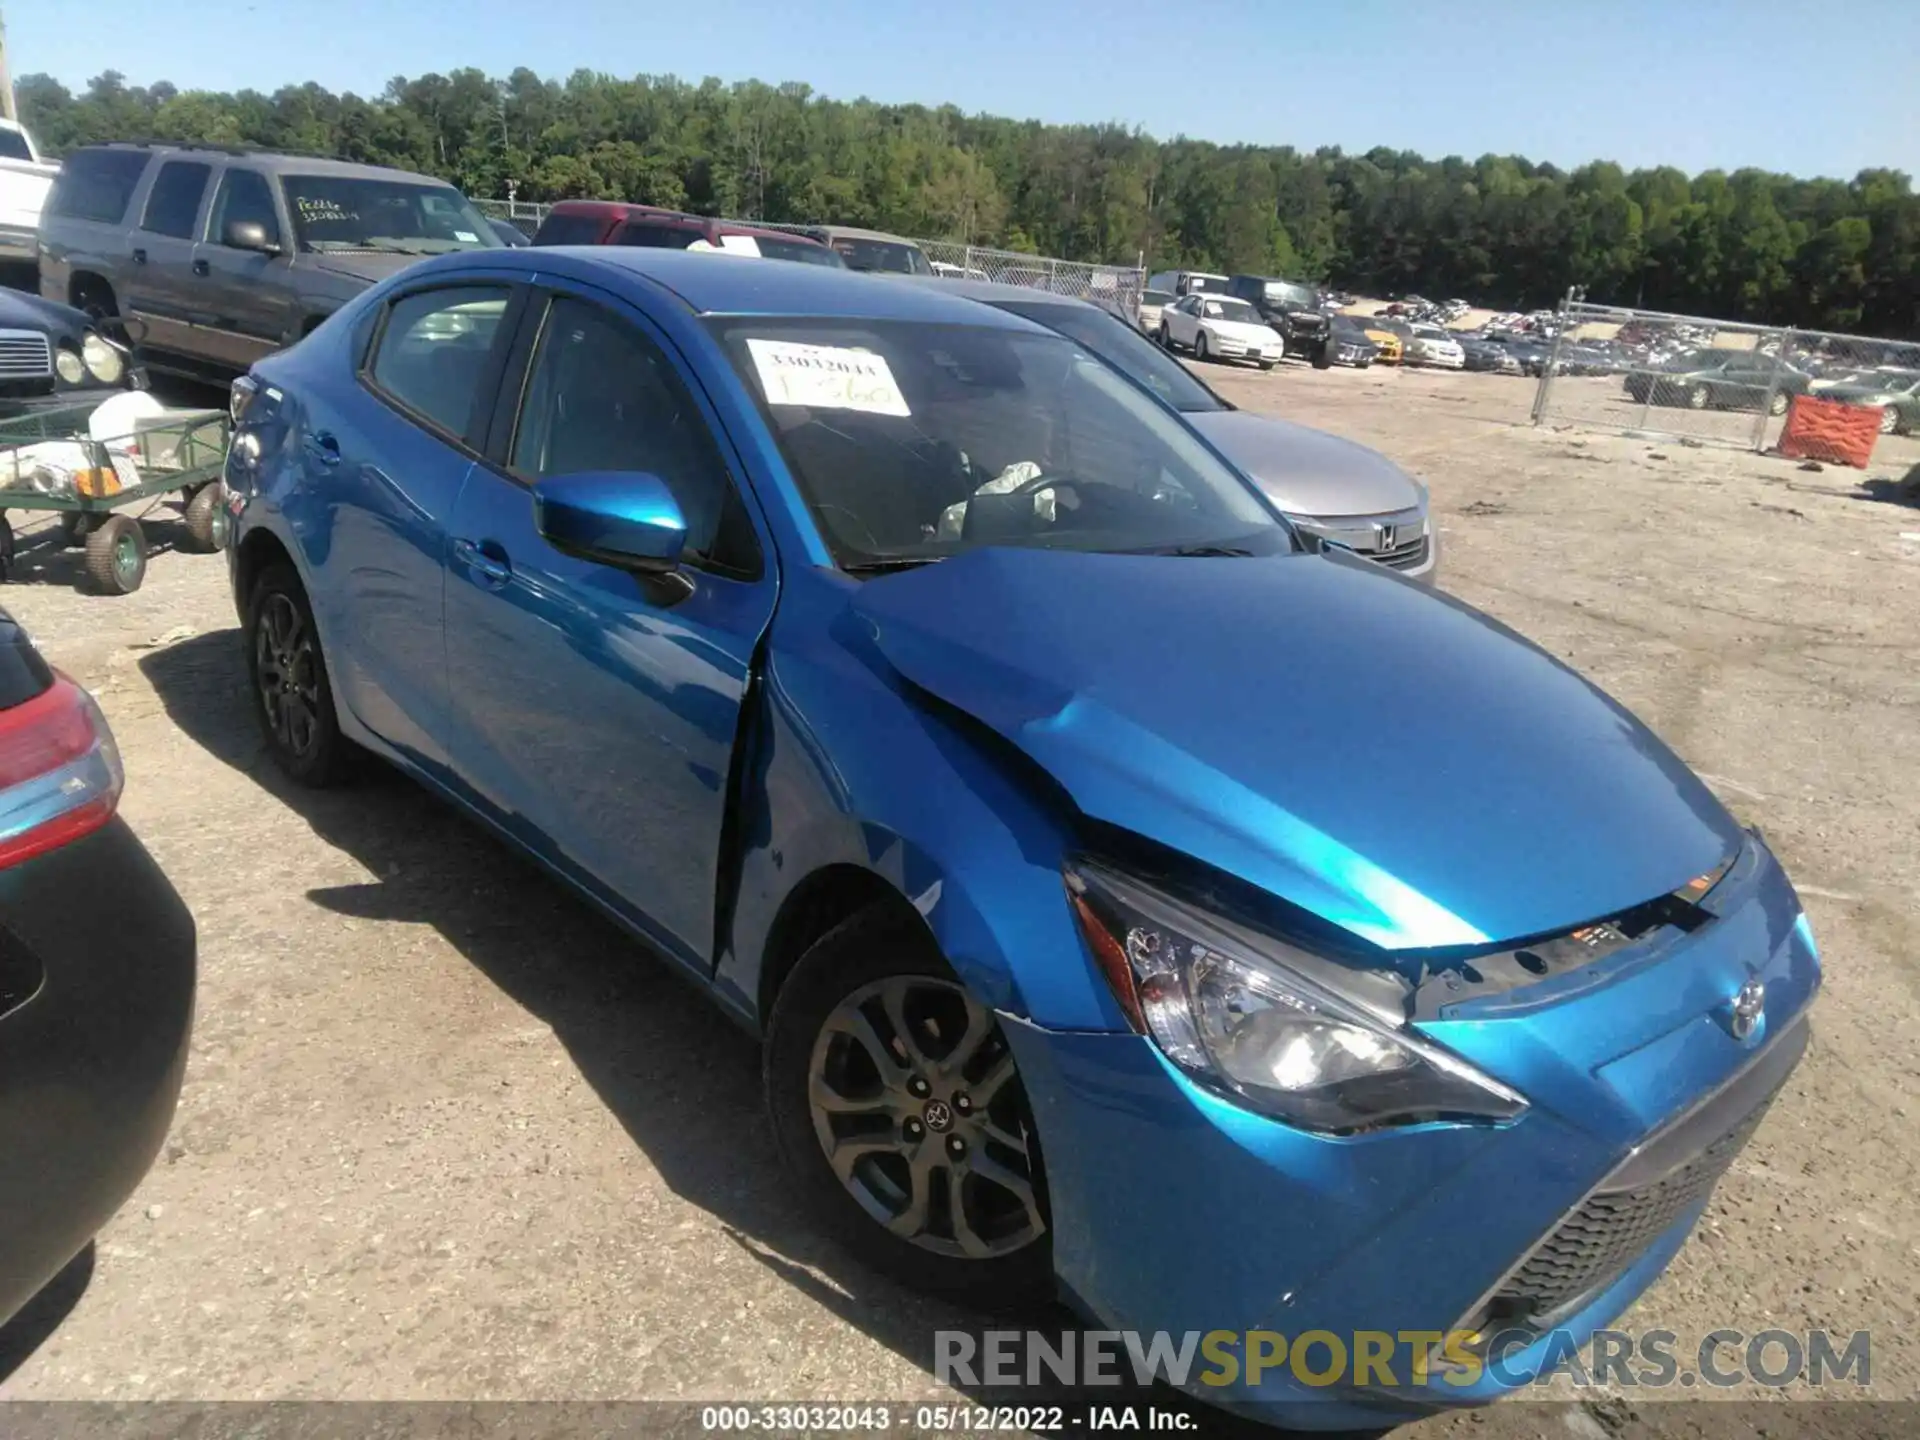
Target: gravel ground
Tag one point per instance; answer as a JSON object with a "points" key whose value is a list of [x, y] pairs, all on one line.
{"points": [[445, 1137]]}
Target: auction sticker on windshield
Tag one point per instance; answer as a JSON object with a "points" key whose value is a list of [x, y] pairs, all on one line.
{"points": [[827, 377]]}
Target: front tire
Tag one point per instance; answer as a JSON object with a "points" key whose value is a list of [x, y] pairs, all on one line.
{"points": [[292, 694], [116, 555], [1164, 336], [899, 1112], [1200, 345]]}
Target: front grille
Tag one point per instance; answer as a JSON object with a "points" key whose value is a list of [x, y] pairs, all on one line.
{"points": [[1597, 1243], [25, 355], [1410, 556]]}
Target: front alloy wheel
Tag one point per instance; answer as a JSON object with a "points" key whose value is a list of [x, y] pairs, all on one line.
{"points": [[899, 1111], [917, 1111]]}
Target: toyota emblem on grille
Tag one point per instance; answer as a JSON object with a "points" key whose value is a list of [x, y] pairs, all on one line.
{"points": [[1747, 1008]]}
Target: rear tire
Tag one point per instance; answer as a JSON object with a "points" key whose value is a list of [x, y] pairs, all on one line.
{"points": [[204, 519], [116, 555], [75, 526], [1778, 404], [292, 694], [1697, 398], [832, 1030], [1889, 420]]}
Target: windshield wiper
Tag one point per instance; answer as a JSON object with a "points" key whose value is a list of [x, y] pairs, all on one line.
{"points": [[1200, 551], [889, 565]]}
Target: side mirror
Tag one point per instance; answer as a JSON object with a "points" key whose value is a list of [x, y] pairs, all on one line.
{"points": [[628, 519], [249, 235]]}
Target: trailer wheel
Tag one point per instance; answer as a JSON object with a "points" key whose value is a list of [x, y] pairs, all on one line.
{"points": [[117, 556], [74, 527], [205, 519]]}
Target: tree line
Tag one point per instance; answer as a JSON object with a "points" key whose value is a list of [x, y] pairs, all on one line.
{"points": [[1499, 230]]}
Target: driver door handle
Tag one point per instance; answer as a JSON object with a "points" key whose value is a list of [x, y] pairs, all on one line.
{"points": [[491, 569]]}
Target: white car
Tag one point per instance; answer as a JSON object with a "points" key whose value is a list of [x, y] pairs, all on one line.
{"points": [[1219, 327], [1152, 302], [1430, 345], [24, 181]]}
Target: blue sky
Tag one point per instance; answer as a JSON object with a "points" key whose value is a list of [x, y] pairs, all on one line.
{"points": [[1695, 83]]}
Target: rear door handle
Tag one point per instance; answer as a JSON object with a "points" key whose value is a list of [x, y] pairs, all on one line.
{"points": [[323, 447], [200, 267], [491, 569], [139, 257]]}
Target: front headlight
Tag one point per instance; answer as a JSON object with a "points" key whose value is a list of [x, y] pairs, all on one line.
{"points": [[1318, 1044], [68, 365], [104, 361]]}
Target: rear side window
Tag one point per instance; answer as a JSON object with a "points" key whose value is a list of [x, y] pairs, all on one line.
{"points": [[570, 230], [433, 352], [13, 145], [174, 202], [658, 237], [97, 184]]}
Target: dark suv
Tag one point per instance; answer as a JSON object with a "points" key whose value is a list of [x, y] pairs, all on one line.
{"points": [[224, 256], [1292, 308]]}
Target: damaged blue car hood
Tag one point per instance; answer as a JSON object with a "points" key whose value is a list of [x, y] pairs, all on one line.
{"points": [[1385, 757]]}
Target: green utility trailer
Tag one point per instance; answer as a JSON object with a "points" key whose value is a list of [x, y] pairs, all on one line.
{"points": [[49, 461]]}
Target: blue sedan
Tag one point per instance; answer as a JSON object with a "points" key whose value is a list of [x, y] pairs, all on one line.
{"points": [[1137, 904]]}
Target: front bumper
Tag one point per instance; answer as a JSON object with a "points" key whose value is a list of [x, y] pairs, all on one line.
{"points": [[1225, 348], [19, 243], [1177, 1211], [96, 1005]]}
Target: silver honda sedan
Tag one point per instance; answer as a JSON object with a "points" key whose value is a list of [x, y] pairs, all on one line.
{"points": [[1336, 490]]}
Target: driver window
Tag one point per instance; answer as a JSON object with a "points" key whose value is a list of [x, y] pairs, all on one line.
{"points": [[600, 396], [244, 198]]}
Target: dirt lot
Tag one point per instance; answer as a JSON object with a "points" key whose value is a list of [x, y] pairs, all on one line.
{"points": [[444, 1137]]}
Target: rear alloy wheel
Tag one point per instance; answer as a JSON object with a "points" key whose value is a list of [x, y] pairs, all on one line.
{"points": [[1697, 398], [116, 555], [293, 697], [900, 1113]]}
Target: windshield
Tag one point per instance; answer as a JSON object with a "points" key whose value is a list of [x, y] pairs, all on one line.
{"points": [[805, 251], [1285, 292], [1126, 349], [896, 257], [336, 212], [1224, 309], [912, 442]]}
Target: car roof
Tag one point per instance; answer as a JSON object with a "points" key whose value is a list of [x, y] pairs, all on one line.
{"points": [[685, 219], [282, 163], [993, 292], [723, 284], [854, 232]]}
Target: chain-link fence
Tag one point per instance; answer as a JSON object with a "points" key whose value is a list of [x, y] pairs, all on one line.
{"points": [[527, 214], [1119, 287], [1713, 381]]}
